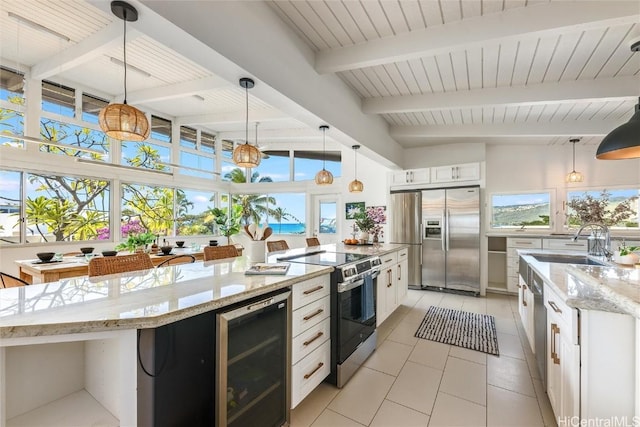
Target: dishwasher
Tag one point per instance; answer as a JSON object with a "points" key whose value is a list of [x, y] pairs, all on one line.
{"points": [[536, 285]]}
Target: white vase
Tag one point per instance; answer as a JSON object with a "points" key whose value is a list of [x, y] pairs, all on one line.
{"points": [[629, 259], [363, 237], [256, 250]]}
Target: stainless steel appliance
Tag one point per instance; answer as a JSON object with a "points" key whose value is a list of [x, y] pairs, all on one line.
{"points": [[539, 324], [442, 227], [253, 363], [406, 208], [353, 309]]}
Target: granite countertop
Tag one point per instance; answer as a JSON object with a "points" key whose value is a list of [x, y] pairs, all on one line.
{"points": [[611, 287], [379, 249], [139, 300]]}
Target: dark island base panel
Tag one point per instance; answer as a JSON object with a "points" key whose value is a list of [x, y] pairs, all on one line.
{"points": [[181, 359]]}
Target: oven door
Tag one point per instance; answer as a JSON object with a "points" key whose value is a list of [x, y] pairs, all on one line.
{"points": [[356, 314]]}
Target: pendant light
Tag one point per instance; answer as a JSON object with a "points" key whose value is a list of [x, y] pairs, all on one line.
{"points": [[355, 186], [624, 141], [246, 155], [324, 177], [574, 176], [122, 121]]}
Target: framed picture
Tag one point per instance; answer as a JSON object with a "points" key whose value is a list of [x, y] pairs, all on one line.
{"points": [[351, 209]]}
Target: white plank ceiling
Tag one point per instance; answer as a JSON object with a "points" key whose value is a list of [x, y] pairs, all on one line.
{"points": [[437, 71]]}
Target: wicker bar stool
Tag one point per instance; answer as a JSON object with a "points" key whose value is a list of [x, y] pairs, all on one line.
{"points": [[277, 245], [9, 281], [219, 252], [119, 264], [178, 259], [313, 241]]}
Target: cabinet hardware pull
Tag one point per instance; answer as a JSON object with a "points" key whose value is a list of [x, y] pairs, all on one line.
{"points": [[524, 287], [555, 307], [387, 260], [312, 315], [307, 376], [399, 273], [524, 303], [403, 254], [318, 335], [312, 290], [518, 286], [555, 330], [260, 304], [523, 243]]}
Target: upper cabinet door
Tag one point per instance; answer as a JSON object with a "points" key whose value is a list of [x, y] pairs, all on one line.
{"points": [[461, 172], [410, 176]]}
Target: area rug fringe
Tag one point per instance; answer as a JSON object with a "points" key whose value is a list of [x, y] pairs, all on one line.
{"points": [[460, 328]]}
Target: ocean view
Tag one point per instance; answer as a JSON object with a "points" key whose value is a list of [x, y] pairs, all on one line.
{"points": [[284, 228]]}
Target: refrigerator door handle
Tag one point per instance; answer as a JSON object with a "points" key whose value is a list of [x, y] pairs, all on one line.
{"points": [[447, 226], [443, 231]]}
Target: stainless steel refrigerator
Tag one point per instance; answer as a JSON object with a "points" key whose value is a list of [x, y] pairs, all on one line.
{"points": [[405, 228], [442, 229], [451, 239]]}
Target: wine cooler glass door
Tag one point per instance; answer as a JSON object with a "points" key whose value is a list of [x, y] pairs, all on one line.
{"points": [[253, 365]]}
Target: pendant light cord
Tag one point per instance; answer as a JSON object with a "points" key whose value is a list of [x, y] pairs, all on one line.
{"points": [[324, 153], [355, 163], [246, 123], [574, 156], [124, 48]]}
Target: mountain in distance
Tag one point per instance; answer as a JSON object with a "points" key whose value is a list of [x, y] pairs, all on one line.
{"points": [[517, 214]]}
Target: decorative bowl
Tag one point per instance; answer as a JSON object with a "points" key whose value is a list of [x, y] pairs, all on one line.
{"points": [[166, 249], [86, 250], [109, 253], [45, 256], [179, 243]]}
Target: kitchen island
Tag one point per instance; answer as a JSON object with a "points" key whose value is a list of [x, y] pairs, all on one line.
{"points": [[590, 342], [68, 349]]}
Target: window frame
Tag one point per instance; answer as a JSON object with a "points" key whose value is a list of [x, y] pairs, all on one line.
{"points": [[530, 228], [622, 230]]}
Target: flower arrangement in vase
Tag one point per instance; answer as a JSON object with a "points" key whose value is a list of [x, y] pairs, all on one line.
{"points": [[370, 222]]}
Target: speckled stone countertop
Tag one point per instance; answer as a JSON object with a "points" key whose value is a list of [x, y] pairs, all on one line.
{"points": [[144, 299], [613, 288]]}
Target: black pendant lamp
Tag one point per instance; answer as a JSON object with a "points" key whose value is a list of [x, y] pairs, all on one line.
{"points": [[247, 155], [324, 177], [624, 141], [122, 121]]}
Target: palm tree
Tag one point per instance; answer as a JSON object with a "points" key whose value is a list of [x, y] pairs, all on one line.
{"points": [[237, 175], [281, 213], [254, 206]]}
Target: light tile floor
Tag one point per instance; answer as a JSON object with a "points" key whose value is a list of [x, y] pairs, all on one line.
{"points": [[409, 381]]}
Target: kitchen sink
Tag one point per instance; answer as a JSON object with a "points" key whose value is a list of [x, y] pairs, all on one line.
{"points": [[567, 259]]}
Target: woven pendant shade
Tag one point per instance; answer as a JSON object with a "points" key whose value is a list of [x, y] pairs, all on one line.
{"points": [[356, 186], [574, 176], [124, 122], [324, 177], [246, 156]]}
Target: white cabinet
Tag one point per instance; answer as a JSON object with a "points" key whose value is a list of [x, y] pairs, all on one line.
{"points": [[513, 244], [525, 309], [402, 278], [563, 356], [310, 330], [410, 176], [564, 244], [461, 172]]}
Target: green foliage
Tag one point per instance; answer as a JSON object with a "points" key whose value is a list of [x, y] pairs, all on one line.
{"points": [[364, 222], [588, 209], [135, 241], [544, 220], [511, 216], [280, 214], [237, 175], [227, 224]]}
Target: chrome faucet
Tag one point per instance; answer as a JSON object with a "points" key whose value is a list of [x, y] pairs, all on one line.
{"points": [[595, 248]]}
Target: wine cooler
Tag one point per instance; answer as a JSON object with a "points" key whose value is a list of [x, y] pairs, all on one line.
{"points": [[253, 362]]}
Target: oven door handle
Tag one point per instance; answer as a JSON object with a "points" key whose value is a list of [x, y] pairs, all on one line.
{"points": [[343, 287], [375, 274]]}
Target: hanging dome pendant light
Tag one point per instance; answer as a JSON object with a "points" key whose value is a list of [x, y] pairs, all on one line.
{"points": [[246, 155], [355, 186], [574, 176], [324, 177], [122, 121]]}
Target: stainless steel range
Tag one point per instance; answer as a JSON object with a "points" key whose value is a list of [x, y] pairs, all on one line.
{"points": [[353, 308]]}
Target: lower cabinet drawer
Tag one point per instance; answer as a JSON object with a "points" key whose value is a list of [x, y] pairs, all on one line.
{"points": [[309, 315], [309, 372], [310, 339], [310, 290]]}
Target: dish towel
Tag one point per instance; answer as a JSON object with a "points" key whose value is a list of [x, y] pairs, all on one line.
{"points": [[368, 303]]}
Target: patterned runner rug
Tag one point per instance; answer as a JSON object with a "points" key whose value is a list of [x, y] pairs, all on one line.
{"points": [[460, 328]]}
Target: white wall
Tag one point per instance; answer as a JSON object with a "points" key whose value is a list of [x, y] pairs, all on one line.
{"points": [[441, 155]]}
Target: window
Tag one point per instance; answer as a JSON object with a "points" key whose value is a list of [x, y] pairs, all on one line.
{"points": [[196, 161], [227, 165], [10, 202], [308, 163], [618, 208], [58, 99], [188, 137], [327, 218], [11, 122], [207, 143], [11, 86], [65, 208], [284, 212], [192, 208], [144, 154], [160, 129], [91, 107], [274, 167], [519, 210], [72, 135]]}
